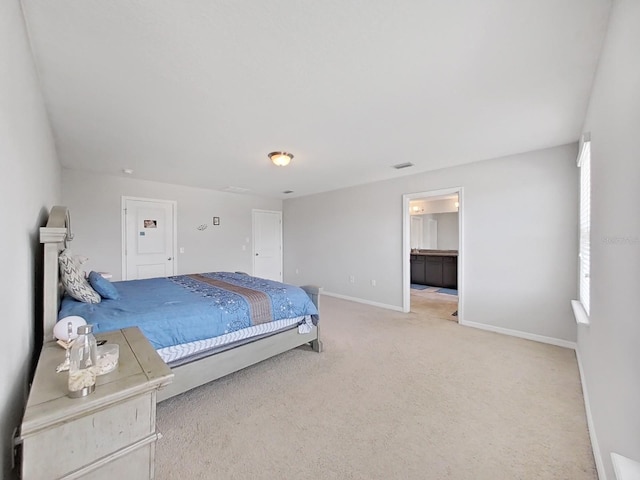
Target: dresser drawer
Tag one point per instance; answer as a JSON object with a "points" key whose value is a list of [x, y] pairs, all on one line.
{"points": [[65, 447], [138, 464]]}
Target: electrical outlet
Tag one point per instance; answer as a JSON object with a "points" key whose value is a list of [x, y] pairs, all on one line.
{"points": [[181, 249], [352, 279], [297, 271], [373, 283]]}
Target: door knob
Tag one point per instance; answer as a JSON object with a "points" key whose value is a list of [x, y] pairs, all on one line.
{"points": [[169, 258], [256, 254]]}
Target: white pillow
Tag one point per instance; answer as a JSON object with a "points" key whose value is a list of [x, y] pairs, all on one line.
{"points": [[74, 281], [80, 260]]}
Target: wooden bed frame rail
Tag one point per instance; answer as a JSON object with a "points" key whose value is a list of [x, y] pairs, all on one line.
{"points": [[55, 236]]}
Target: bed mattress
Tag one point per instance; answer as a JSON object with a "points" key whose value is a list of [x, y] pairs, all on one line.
{"points": [[188, 352]]}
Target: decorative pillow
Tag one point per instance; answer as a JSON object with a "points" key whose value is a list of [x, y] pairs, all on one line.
{"points": [[80, 260], [104, 287], [73, 280]]}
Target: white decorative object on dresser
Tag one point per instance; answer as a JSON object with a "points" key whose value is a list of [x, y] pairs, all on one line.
{"points": [[108, 434]]}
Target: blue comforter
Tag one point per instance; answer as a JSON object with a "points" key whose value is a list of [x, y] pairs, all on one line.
{"points": [[175, 310]]}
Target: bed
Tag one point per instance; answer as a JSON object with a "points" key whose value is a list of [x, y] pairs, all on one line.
{"points": [[197, 350]]}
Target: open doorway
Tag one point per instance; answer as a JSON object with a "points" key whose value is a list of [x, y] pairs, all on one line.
{"points": [[432, 253]]}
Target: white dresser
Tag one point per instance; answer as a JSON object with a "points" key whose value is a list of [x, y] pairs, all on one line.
{"points": [[109, 434]]}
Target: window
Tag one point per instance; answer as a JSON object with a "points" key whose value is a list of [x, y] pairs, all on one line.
{"points": [[584, 162]]}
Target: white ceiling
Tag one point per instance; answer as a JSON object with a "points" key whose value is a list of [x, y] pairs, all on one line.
{"points": [[197, 92]]}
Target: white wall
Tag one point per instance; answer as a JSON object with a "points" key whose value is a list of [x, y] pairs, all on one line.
{"points": [[609, 348], [94, 201], [29, 186], [520, 245]]}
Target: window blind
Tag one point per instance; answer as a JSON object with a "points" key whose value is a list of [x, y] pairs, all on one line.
{"points": [[584, 162]]}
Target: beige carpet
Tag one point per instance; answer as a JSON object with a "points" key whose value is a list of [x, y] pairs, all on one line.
{"points": [[430, 303], [394, 396]]}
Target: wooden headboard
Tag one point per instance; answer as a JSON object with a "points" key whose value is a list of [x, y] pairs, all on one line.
{"points": [[55, 237]]}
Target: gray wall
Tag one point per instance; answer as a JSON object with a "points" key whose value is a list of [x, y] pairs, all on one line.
{"points": [[609, 348], [29, 186], [520, 239], [95, 200]]}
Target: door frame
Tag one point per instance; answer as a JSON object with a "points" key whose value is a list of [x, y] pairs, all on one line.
{"points": [[123, 229], [253, 240], [406, 245]]}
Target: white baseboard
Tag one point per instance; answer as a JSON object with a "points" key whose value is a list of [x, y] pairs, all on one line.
{"points": [[362, 300], [517, 333], [602, 474]]}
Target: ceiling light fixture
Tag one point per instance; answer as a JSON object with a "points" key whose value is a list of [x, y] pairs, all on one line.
{"points": [[280, 159]]}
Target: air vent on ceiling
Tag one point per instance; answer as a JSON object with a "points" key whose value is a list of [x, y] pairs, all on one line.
{"points": [[236, 189], [400, 166], [287, 192]]}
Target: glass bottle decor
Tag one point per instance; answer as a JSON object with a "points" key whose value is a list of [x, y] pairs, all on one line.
{"points": [[82, 362]]}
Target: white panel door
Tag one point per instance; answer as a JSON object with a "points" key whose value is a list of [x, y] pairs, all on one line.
{"points": [[267, 245], [148, 239]]}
